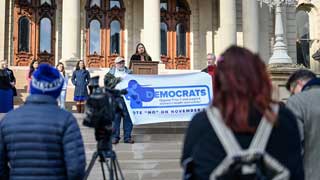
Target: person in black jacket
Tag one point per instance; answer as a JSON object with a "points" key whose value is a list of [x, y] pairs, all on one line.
{"points": [[6, 92], [141, 54], [39, 140], [11, 77], [243, 95]]}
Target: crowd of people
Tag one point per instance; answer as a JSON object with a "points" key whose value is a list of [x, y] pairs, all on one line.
{"points": [[42, 140]]}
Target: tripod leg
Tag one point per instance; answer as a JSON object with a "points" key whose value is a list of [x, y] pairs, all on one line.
{"points": [[115, 169], [119, 169], [109, 167], [94, 158], [102, 168], [111, 170]]}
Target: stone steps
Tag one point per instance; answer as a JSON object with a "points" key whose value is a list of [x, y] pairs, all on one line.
{"points": [[155, 155], [168, 174]]}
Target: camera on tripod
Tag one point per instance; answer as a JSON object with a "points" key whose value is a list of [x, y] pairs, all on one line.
{"points": [[101, 107]]}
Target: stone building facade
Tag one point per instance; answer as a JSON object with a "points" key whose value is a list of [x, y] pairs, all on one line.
{"points": [[177, 32]]}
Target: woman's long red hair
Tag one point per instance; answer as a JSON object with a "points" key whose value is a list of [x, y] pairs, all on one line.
{"points": [[241, 82]]}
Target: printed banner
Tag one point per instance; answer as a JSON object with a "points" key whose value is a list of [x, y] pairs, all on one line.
{"points": [[164, 98]]}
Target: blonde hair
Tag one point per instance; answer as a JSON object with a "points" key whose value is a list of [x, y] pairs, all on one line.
{"points": [[2, 62]]}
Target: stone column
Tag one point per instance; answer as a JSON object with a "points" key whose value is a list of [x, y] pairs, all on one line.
{"points": [[151, 24], [2, 27], [280, 50], [228, 30], [250, 25], [70, 32]]}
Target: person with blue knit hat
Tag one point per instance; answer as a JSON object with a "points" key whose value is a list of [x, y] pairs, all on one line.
{"points": [[39, 140], [47, 81]]}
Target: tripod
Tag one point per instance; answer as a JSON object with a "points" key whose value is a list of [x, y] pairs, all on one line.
{"points": [[109, 157]]}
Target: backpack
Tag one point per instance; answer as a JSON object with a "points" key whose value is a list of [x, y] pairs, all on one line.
{"points": [[253, 163]]}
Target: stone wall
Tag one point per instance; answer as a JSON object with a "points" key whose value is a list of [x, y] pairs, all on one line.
{"points": [[205, 35]]}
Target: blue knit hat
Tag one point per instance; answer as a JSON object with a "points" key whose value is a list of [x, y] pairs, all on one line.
{"points": [[46, 80]]}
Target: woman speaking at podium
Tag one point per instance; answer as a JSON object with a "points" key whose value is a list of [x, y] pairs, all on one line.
{"points": [[141, 54]]}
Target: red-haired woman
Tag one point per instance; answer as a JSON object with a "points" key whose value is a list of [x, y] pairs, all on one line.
{"points": [[242, 95]]}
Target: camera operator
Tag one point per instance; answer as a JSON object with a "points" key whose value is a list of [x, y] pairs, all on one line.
{"points": [[120, 71], [39, 140]]}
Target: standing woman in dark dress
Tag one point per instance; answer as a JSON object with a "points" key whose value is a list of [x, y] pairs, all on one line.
{"points": [[33, 67], [80, 79], [11, 76], [141, 54], [6, 92]]}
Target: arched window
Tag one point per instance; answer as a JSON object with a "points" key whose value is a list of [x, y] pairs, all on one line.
{"points": [[175, 33], [181, 40], [46, 1], [164, 30], [33, 31], [115, 37], [110, 36], [181, 5], [95, 2], [95, 37], [24, 34], [303, 38], [114, 3], [45, 35], [25, 1], [163, 5]]}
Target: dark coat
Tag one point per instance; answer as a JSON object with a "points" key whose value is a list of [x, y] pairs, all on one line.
{"points": [[12, 80], [4, 80], [40, 141], [138, 57], [202, 144], [6, 93], [80, 79]]}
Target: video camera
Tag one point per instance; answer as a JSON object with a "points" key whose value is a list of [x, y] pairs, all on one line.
{"points": [[101, 107]]}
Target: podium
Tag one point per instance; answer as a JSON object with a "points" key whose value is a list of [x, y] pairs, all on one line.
{"points": [[144, 67]]}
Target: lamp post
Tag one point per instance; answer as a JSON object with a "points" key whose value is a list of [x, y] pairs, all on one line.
{"points": [[280, 51]]}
